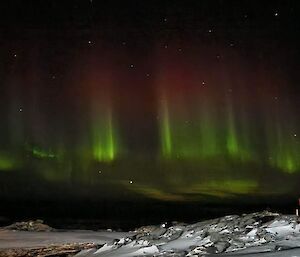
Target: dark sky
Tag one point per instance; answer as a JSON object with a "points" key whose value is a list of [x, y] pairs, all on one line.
{"points": [[168, 100]]}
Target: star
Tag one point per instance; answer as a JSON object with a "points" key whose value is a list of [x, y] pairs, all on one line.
{"points": [[295, 135], [203, 83], [148, 75], [165, 19], [210, 31], [131, 66], [276, 14], [99, 171], [20, 109], [130, 181], [89, 42], [15, 55]]}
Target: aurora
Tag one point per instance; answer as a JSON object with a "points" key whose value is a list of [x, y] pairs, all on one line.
{"points": [[104, 139], [215, 119], [167, 108]]}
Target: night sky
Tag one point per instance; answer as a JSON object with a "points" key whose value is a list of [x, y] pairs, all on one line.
{"points": [[172, 101]]}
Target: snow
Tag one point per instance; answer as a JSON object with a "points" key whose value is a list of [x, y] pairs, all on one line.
{"points": [[250, 235], [256, 234], [29, 239]]}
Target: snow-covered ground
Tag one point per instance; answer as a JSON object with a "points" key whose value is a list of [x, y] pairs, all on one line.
{"points": [[29, 239], [256, 234]]}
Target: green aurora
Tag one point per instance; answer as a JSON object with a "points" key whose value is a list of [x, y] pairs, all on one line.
{"points": [[189, 136], [204, 138], [104, 139], [225, 119]]}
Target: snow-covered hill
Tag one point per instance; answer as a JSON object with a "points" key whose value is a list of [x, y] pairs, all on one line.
{"points": [[256, 234]]}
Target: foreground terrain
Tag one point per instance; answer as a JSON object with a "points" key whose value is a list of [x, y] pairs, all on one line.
{"points": [[256, 234]]}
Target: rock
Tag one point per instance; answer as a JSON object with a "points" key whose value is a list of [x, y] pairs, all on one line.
{"points": [[212, 249], [221, 246], [226, 234], [175, 235], [145, 229], [249, 222], [215, 237], [37, 225], [269, 237], [51, 250], [158, 232]]}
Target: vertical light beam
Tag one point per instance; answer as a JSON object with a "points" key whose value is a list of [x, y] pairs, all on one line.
{"points": [[166, 137], [104, 138]]}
